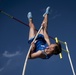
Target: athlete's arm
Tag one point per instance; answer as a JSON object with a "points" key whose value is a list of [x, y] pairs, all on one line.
{"points": [[38, 54], [32, 49]]}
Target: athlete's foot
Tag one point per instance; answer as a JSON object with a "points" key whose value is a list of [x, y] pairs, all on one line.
{"points": [[29, 15], [47, 11]]}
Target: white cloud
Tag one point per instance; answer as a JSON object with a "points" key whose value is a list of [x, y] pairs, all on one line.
{"points": [[9, 55]]}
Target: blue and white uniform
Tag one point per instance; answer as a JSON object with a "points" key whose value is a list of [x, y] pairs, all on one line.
{"points": [[40, 44]]}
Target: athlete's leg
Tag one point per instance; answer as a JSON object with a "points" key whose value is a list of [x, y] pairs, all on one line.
{"points": [[46, 36], [45, 15], [32, 31], [45, 26]]}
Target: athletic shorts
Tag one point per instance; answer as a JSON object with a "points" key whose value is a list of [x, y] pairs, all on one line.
{"points": [[40, 44]]}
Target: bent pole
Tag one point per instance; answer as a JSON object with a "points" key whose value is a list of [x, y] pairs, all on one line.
{"points": [[24, 68], [70, 59]]}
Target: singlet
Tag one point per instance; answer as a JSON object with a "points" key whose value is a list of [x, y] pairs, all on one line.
{"points": [[40, 44]]}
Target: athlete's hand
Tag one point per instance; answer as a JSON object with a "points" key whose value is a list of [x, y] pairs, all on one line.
{"points": [[33, 45]]}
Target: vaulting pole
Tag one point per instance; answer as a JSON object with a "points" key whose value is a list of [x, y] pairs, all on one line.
{"points": [[24, 68], [71, 64]]}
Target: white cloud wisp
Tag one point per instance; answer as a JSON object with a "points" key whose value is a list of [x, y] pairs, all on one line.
{"points": [[9, 55]]}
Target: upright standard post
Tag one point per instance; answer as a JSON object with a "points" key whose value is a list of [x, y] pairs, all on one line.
{"points": [[70, 59], [60, 54], [24, 68]]}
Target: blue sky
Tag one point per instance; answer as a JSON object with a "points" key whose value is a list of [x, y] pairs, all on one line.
{"points": [[14, 36]]}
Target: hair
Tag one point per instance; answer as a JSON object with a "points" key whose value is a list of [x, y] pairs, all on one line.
{"points": [[58, 49]]}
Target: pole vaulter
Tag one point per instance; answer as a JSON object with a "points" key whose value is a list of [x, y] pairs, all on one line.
{"points": [[12, 17]]}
